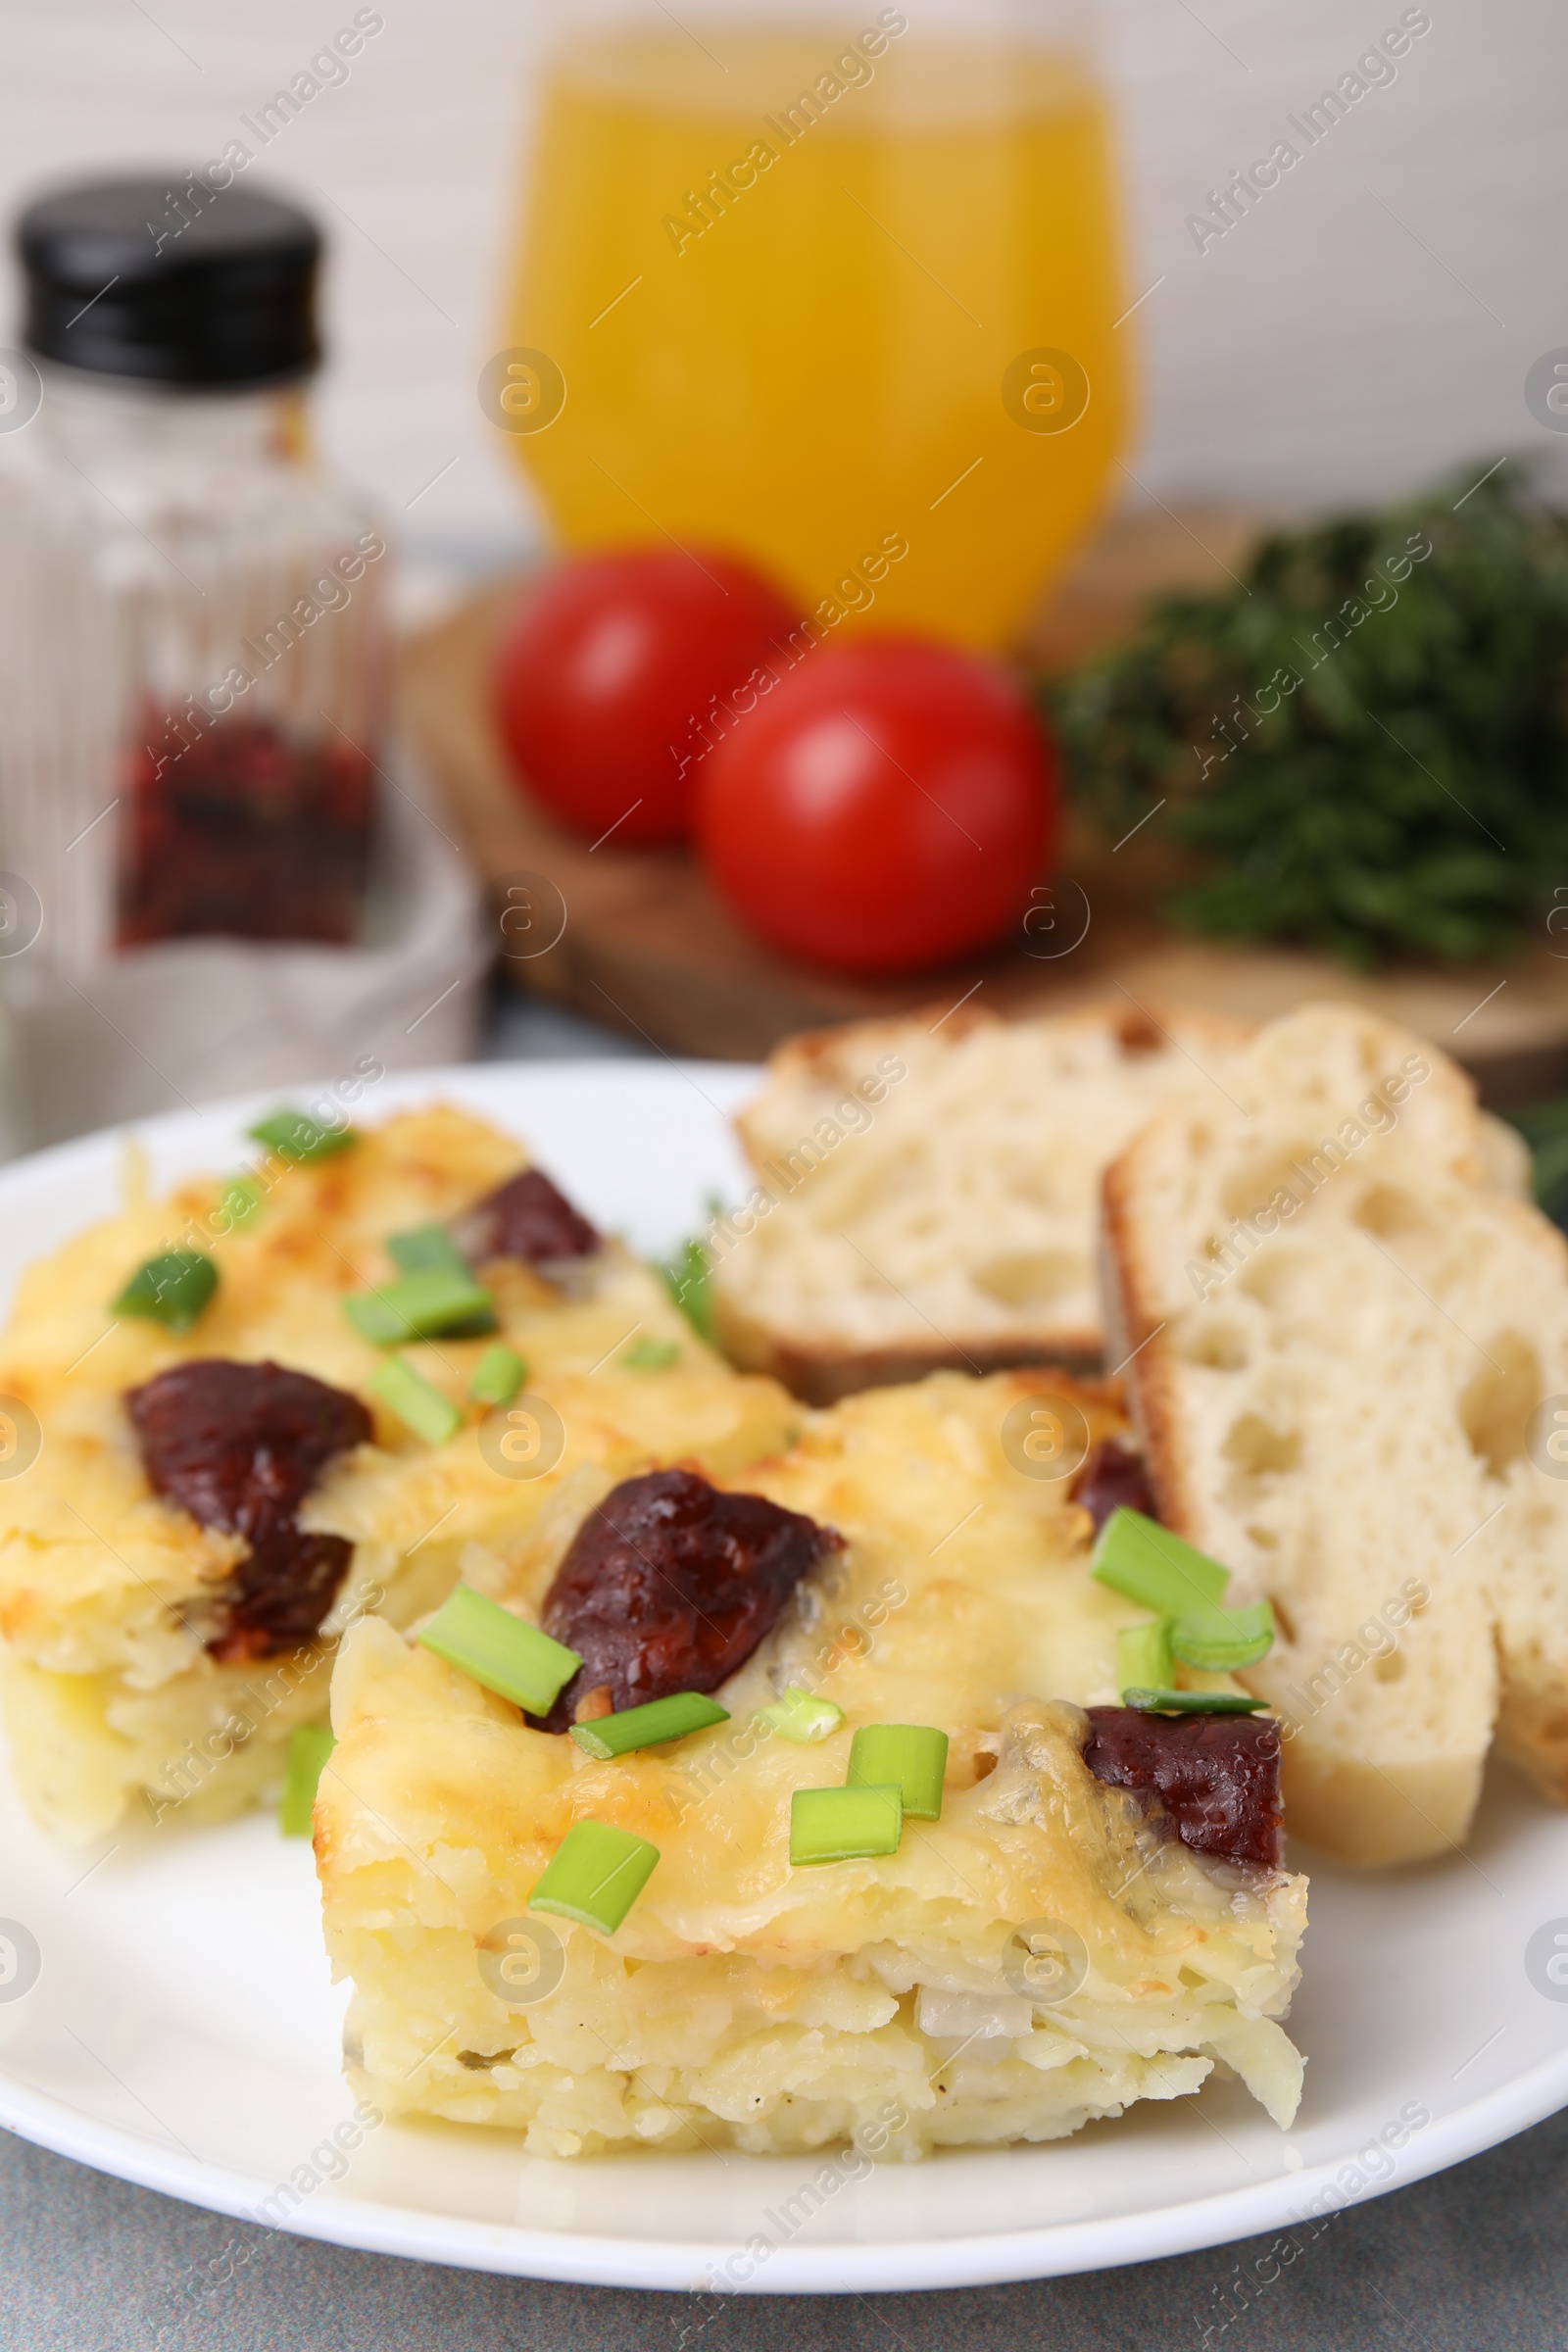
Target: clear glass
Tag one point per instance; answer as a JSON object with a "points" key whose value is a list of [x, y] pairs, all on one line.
{"points": [[847, 301], [193, 671]]}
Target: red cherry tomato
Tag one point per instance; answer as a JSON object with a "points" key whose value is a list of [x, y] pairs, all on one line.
{"points": [[604, 676], [885, 807]]}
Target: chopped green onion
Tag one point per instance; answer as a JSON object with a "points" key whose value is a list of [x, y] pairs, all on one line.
{"points": [[1142, 1656], [375, 1321], [1191, 1702], [427, 1245], [295, 1135], [237, 1203], [595, 1875], [485, 1641], [661, 1718], [429, 1305], [417, 1404], [1144, 1560], [498, 1375], [911, 1755], [170, 1289], [798, 1716], [686, 1277], [650, 1355], [1221, 1640], [844, 1824], [308, 1746]]}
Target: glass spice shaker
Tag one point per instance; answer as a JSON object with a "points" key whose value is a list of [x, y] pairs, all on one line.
{"points": [[193, 612]]}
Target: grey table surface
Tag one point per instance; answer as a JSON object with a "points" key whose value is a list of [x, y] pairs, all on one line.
{"points": [[1475, 2260]]}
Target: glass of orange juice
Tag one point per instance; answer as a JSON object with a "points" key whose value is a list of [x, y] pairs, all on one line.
{"points": [[840, 296]]}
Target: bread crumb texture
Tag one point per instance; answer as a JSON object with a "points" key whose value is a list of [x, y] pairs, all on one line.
{"points": [[1349, 1328], [926, 1190]]}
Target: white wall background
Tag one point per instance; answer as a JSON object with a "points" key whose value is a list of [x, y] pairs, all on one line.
{"points": [[1370, 322]]}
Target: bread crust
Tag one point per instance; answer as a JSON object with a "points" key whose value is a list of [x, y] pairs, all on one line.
{"points": [[845, 1051], [823, 1375], [1132, 1331]]}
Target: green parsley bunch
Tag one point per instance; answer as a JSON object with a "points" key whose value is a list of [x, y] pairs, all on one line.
{"points": [[1366, 742]]}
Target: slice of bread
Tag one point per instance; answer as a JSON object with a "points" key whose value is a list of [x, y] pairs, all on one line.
{"points": [[1340, 1322], [927, 1189]]}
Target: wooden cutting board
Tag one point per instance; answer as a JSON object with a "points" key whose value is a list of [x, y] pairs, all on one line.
{"points": [[636, 939]]}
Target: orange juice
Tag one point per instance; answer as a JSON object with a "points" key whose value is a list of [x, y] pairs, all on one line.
{"points": [[823, 303]]}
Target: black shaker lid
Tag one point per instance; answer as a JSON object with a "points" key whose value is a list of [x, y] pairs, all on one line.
{"points": [[171, 284]]}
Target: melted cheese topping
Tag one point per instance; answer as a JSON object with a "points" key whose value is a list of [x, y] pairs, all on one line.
{"points": [[104, 1586], [962, 1601]]}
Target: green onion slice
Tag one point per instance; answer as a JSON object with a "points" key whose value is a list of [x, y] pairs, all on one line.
{"points": [[498, 1375], [237, 1203], [485, 1641], [650, 1355], [308, 1746], [1144, 1560], [1221, 1640], [661, 1718], [595, 1875], [170, 1289], [417, 1404], [798, 1716], [429, 1305], [844, 1824], [295, 1135], [686, 1277], [910, 1756], [1191, 1702], [428, 1247], [1142, 1656]]}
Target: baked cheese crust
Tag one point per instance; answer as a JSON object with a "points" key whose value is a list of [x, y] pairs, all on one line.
{"points": [[111, 1697], [744, 2002]]}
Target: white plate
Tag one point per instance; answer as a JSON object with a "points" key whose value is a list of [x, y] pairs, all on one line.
{"points": [[184, 2034]]}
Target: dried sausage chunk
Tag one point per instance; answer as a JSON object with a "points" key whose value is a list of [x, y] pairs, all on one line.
{"points": [[670, 1585], [1113, 1479], [1217, 1776], [526, 1217], [240, 1446]]}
